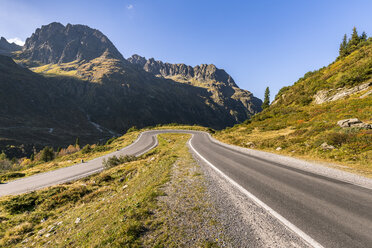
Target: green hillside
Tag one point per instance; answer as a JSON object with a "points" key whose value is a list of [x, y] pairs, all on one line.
{"points": [[302, 120]]}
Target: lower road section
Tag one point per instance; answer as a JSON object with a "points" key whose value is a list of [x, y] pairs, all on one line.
{"points": [[331, 212]]}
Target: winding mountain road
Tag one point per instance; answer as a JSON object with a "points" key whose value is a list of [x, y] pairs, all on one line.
{"points": [[322, 210]]}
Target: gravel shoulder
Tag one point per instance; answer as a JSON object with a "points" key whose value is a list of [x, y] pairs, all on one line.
{"points": [[245, 224], [320, 169]]}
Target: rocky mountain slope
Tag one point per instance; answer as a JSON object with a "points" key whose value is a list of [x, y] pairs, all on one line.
{"points": [[7, 48], [222, 86], [56, 43], [78, 85], [307, 119]]}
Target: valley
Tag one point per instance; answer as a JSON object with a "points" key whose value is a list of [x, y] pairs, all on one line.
{"points": [[98, 149]]}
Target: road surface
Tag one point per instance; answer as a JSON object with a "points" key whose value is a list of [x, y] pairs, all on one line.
{"points": [[323, 211]]}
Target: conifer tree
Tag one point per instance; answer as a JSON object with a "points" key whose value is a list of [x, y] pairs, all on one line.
{"points": [[77, 142], [354, 40], [343, 47], [363, 37], [266, 102]]}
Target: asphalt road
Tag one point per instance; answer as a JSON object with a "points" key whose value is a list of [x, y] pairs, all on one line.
{"points": [[333, 213]]}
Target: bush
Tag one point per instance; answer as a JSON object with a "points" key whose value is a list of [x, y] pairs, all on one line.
{"points": [[115, 161], [5, 165], [337, 139], [21, 203], [132, 129], [211, 131], [69, 150], [67, 195], [100, 148], [86, 149], [111, 140]]}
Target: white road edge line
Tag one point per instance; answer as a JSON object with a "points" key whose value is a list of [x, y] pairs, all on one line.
{"points": [[288, 224], [156, 144]]}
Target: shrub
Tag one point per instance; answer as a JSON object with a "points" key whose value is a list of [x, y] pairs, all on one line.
{"points": [[111, 140], [115, 161], [67, 195], [21, 203], [86, 149], [100, 148], [3, 156], [132, 129], [69, 150], [5, 165], [211, 130], [337, 139]]}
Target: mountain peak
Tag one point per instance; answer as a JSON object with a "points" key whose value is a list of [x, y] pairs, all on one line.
{"points": [[7, 48], [56, 43]]}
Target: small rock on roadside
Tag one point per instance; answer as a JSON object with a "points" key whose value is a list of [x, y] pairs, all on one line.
{"points": [[278, 148], [250, 144], [325, 146], [77, 221]]}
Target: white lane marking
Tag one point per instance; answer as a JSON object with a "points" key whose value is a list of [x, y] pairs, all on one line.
{"points": [[156, 143], [288, 224], [138, 138]]}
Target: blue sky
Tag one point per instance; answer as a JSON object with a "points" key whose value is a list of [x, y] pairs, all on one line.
{"points": [[260, 43]]}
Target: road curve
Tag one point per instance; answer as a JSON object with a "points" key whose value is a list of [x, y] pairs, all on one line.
{"points": [[330, 212]]}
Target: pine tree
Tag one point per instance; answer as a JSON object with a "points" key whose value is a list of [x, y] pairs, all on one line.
{"points": [[363, 37], [343, 47], [47, 154], [266, 102], [77, 142], [354, 40]]}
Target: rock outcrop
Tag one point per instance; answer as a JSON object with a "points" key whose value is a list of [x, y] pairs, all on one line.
{"points": [[323, 96], [354, 122]]}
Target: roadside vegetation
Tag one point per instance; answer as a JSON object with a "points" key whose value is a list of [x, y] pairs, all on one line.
{"points": [[295, 125], [119, 207], [49, 159]]}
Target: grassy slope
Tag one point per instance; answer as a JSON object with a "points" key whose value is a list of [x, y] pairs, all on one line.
{"points": [[115, 207], [299, 126]]}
